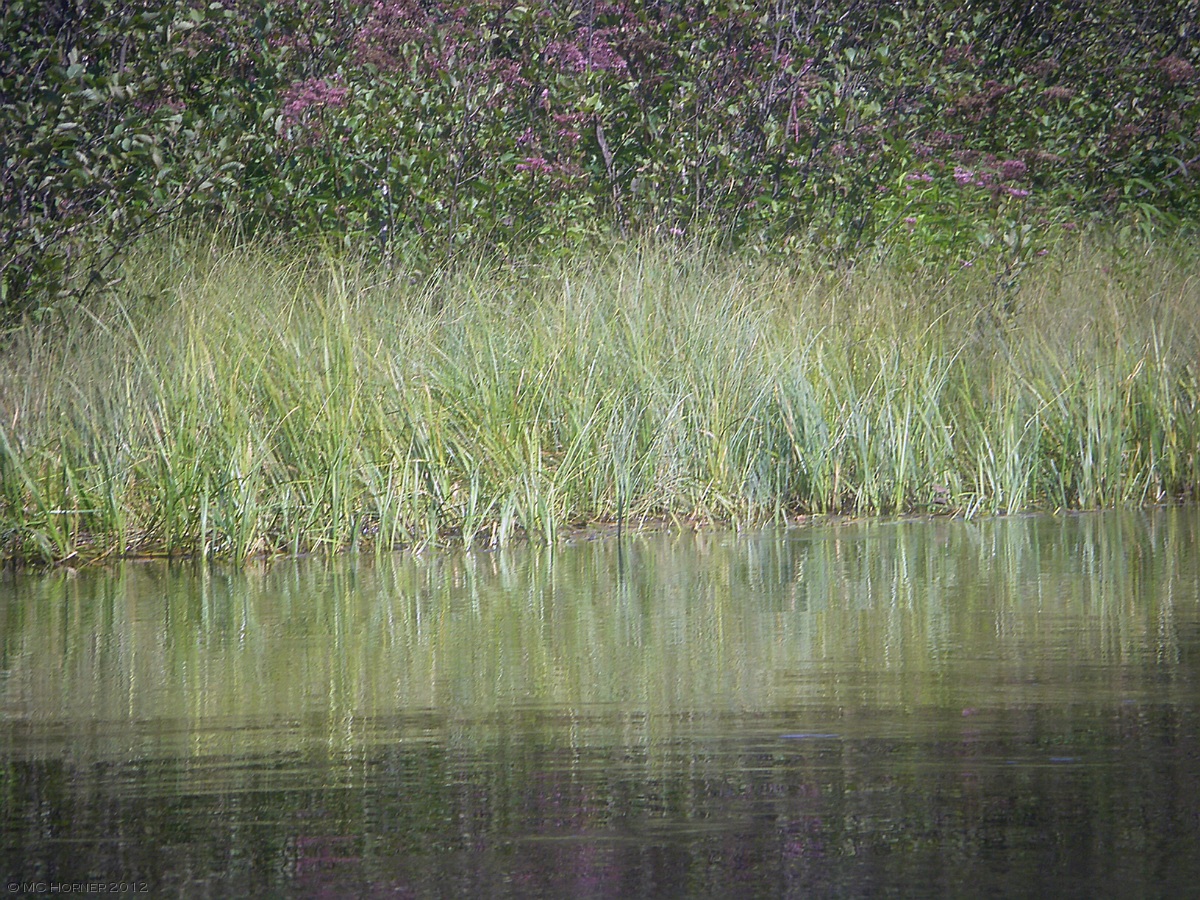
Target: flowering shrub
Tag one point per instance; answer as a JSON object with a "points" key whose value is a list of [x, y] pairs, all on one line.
{"points": [[949, 133], [123, 116]]}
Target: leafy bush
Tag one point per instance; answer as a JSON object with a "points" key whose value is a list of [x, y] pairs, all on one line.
{"points": [[120, 117], [957, 133]]}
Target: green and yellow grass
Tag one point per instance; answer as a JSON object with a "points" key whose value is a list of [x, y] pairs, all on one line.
{"points": [[235, 400]]}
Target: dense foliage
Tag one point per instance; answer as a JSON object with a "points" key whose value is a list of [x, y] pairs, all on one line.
{"points": [[263, 403], [964, 132]]}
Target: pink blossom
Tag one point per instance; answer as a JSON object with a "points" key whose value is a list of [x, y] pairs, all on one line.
{"points": [[315, 92], [534, 164], [590, 51], [509, 73], [1177, 69], [1012, 168], [567, 55], [301, 103]]}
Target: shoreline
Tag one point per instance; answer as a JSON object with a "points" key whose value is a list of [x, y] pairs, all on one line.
{"points": [[569, 536]]}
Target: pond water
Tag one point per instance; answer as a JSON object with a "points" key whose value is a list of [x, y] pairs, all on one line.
{"points": [[919, 708]]}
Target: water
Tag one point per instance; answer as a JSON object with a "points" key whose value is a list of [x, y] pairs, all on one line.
{"points": [[870, 709]]}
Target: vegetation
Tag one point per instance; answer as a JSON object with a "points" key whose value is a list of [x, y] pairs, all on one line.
{"points": [[486, 269], [250, 400], [956, 130]]}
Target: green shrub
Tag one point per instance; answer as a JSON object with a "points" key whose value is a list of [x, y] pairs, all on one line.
{"points": [[942, 132]]}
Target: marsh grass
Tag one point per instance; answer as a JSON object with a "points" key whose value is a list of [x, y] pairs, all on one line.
{"points": [[240, 399]]}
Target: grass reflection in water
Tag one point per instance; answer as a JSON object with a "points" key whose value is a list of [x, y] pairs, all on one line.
{"points": [[849, 707]]}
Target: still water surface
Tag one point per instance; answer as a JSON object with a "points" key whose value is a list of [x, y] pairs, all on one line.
{"points": [[921, 708]]}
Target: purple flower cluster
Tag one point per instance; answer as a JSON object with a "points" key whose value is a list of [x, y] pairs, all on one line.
{"points": [[1177, 69], [944, 139], [976, 107], [915, 178], [962, 53], [568, 131], [1042, 68], [298, 102], [1012, 168], [994, 176], [508, 73], [591, 51], [534, 165], [390, 25]]}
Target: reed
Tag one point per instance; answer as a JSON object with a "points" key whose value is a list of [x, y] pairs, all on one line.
{"points": [[240, 399]]}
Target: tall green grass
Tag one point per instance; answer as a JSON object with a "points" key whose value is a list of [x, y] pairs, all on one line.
{"points": [[245, 399]]}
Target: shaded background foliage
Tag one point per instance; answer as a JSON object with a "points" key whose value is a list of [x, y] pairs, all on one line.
{"points": [[954, 132]]}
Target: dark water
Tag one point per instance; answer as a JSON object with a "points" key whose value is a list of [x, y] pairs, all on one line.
{"points": [[997, 708]]}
